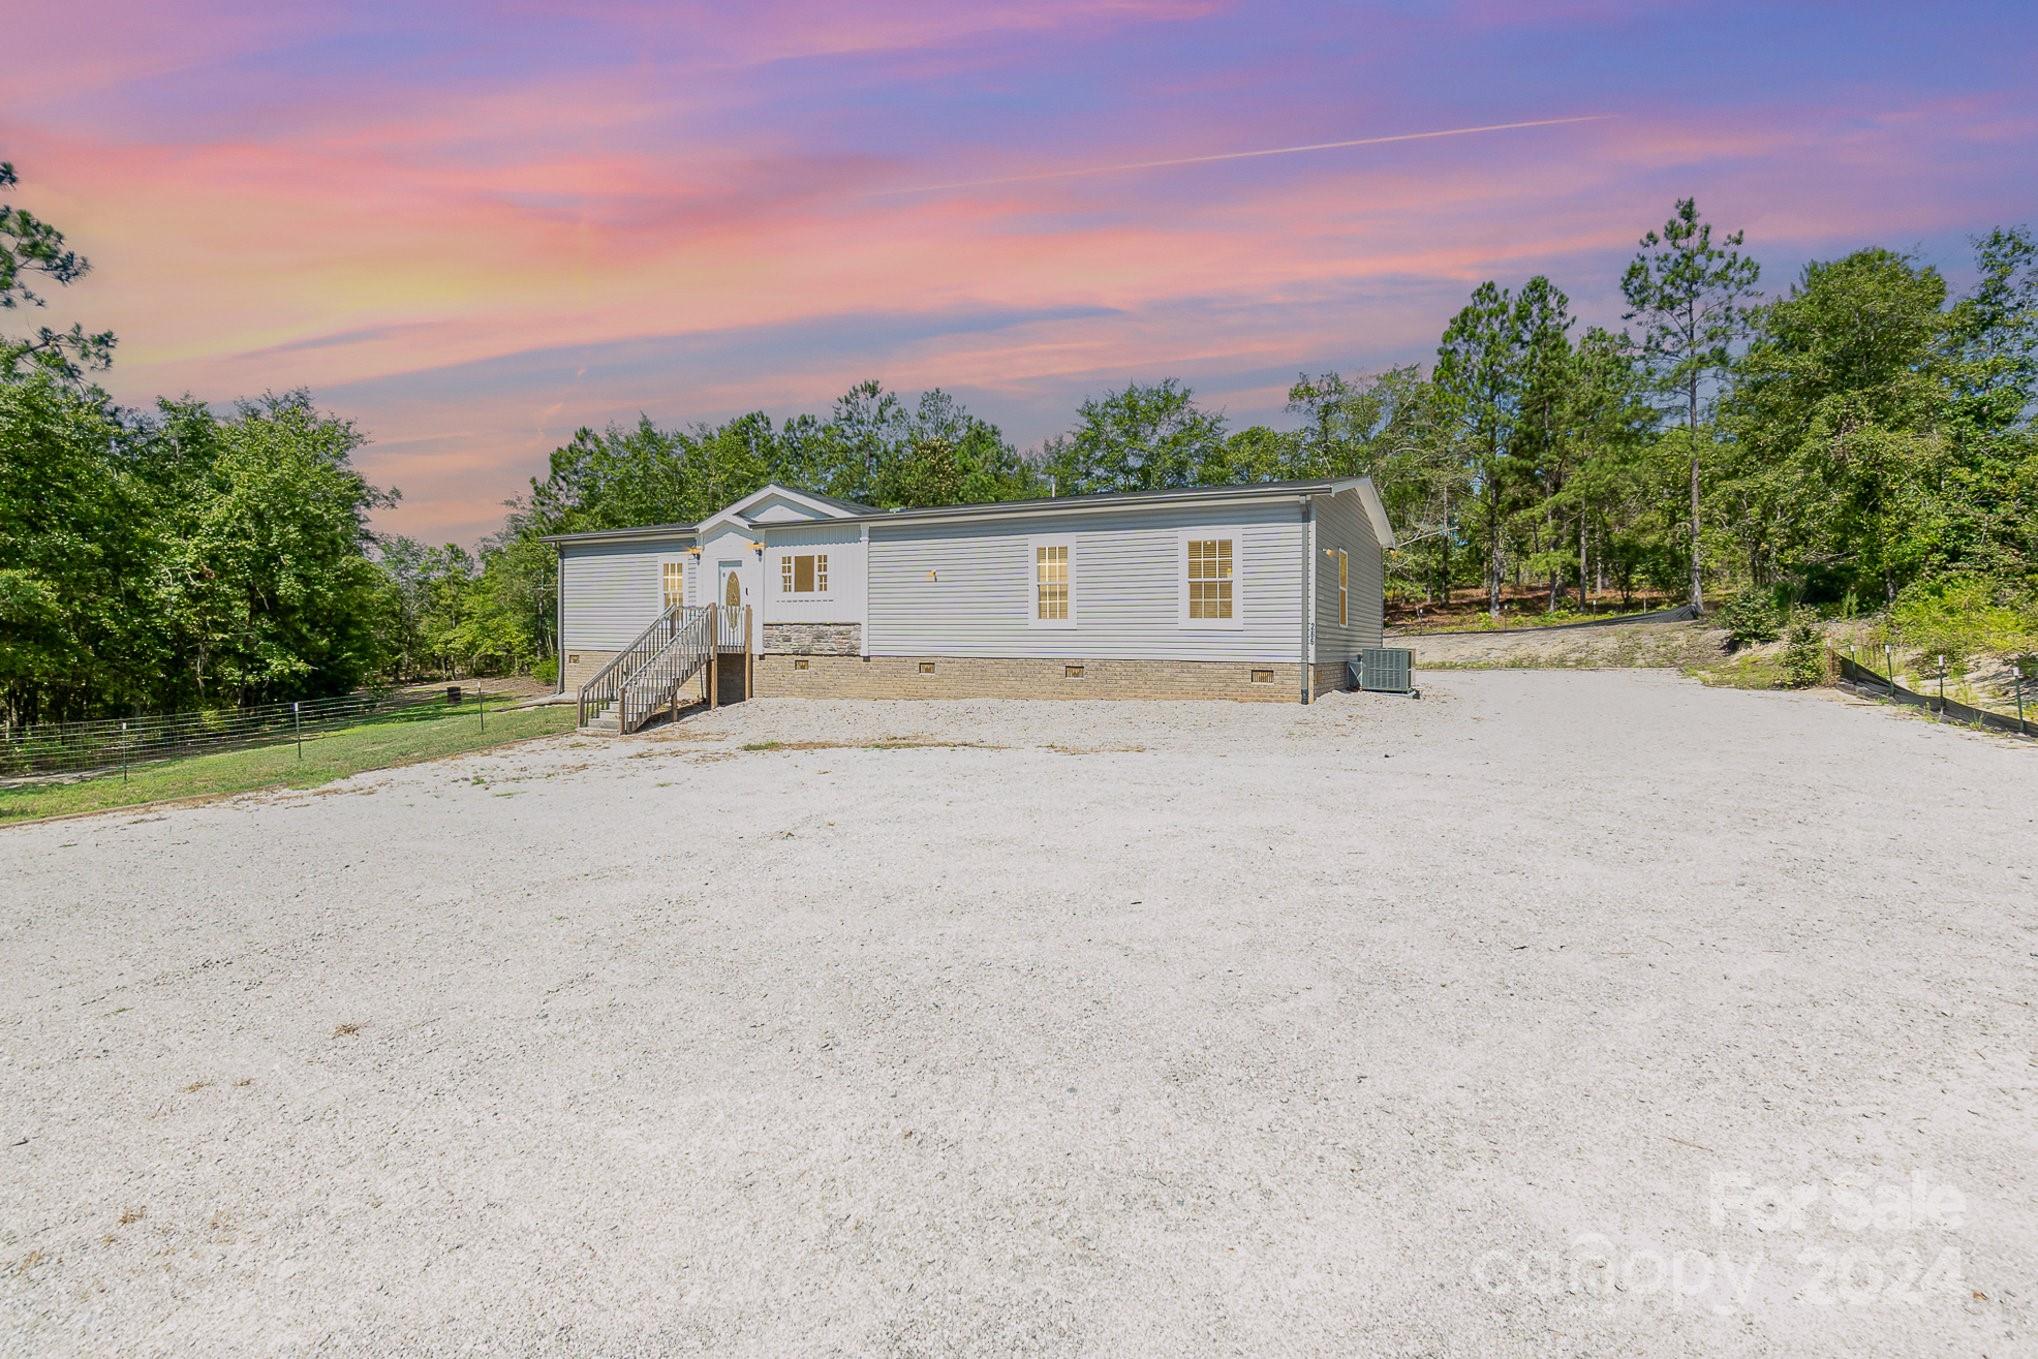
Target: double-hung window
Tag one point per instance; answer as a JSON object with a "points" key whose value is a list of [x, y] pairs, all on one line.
{"points": [[803, 574], [1344, 587], [1210, 580], [1053, 593], [674, 577]]}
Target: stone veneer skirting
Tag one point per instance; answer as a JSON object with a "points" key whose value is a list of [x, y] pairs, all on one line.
{"points": [[778, 676], [813, 639]]}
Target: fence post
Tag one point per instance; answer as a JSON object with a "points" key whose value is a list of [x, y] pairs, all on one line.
{"points": [[1942, 687], [1889, 667], [297, 728], [481, 698], [123, 753]]}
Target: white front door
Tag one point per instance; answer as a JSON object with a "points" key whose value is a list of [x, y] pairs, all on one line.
{"points": [[730, 594]]}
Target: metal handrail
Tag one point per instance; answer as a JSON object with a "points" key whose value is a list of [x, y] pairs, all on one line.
{"points": [[655, 684], [607, 685]]}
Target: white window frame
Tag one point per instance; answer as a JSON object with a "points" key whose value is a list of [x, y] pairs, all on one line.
{"points": [[1033, 546], [821, 573], [1236, 537], [1344, 588], [685, 565]]}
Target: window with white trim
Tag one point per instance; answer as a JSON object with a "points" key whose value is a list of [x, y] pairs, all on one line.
{"points": [[803, 574], [1210, 580], [674, 574], [1050, 582], [1344, 587]]}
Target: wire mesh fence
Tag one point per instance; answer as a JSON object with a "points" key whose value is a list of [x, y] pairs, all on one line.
{"points": [[110, 746]]}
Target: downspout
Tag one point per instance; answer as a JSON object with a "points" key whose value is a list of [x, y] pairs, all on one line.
{"points": [[559, 616], [1308, 598], [863, 631]]}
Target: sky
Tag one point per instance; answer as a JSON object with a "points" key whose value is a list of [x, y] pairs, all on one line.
{"points": [[473, 228]]}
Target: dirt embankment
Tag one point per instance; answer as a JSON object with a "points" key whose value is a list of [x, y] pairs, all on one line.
{"points": [[1609, 646]]}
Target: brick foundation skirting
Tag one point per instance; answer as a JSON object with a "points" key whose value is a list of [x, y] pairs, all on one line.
{"points": [[836, 676], [1330, 677], [783, 676], [580, 667]]}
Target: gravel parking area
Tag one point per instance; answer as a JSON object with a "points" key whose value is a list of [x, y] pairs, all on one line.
{"points": [[1558, 1012]]}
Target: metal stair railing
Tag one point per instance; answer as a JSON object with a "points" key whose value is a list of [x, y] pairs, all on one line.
{"points": [[655, 684], [607, 685]]}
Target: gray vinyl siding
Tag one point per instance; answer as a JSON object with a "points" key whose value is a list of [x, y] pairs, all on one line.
{"points": [[965, 589], [611, 592], [1342, 522]]}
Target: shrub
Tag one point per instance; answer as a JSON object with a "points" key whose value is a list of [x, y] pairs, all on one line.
{"points": [[1750, 617], [546, 671], [1960, 616], [1804, 651]]}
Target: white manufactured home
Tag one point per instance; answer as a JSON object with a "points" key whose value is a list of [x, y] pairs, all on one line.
{"points": [[1250, 592]]}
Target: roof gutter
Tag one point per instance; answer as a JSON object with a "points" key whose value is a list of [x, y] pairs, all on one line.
{"points": [[658, 533]]}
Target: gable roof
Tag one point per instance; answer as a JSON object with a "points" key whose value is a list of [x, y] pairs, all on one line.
{"points": [[850, 512], [824, 507]]}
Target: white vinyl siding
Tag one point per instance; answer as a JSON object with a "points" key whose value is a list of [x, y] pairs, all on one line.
{"points": [[968, 589], [1342, 525], [840, 600], [612, 591]]}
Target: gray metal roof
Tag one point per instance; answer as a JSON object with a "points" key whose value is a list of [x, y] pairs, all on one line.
{"points": [[1112, 499], [853, 506], [1067, 504]]}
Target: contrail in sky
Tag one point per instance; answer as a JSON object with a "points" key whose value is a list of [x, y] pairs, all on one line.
{"points": [[1238, 155]]}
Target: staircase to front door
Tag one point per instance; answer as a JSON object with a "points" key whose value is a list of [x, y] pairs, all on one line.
{"points": [[646, 677]]}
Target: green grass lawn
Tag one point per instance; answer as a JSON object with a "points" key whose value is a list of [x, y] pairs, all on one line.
{"points": [[426, 732]]}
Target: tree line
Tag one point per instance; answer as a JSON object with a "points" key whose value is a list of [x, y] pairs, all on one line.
{"points": [[1862, 439]]}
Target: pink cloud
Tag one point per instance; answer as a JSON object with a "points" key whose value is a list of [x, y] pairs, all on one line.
{"points": [[385, 225]]}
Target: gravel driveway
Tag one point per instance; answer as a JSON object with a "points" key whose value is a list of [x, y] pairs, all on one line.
{"points": [[1483, 1025]]}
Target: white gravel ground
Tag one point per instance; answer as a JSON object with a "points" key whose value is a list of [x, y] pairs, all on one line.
{"points": [[1139, 1030]]}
